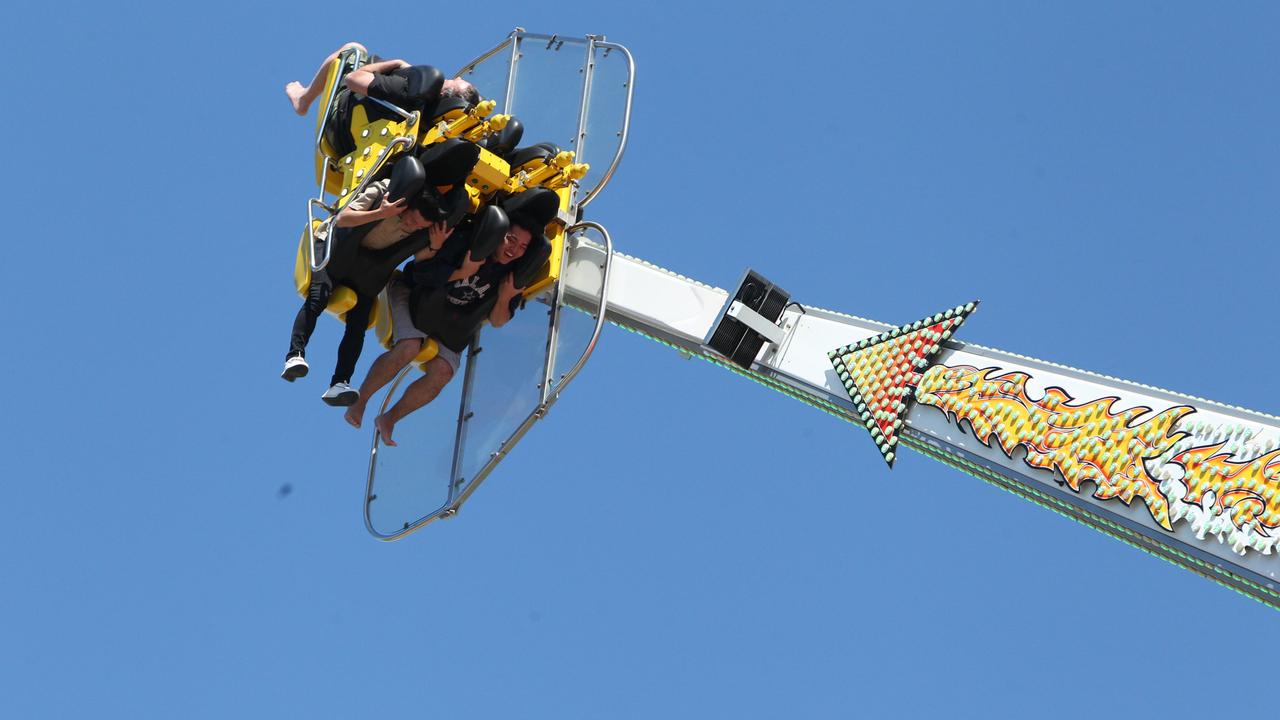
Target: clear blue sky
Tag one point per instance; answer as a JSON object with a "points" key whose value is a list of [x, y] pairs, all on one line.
{"points": [[1104, 177]]}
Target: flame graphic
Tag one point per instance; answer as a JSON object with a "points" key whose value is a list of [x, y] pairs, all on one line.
{"points": [[1120, 455], [1248, 491], [1085, 442]]}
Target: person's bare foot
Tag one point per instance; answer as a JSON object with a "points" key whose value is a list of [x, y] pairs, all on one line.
{"points": [[385, 426], [295, 91], [355, 414]]}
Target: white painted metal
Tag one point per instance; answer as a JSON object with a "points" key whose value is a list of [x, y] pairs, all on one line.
{"points": [[755, 321], [680, 312]]}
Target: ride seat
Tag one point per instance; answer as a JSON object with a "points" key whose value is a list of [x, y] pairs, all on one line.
{"points": [[450, 107], [342, 298], [385, 328], [328, 172], [520, 157]]}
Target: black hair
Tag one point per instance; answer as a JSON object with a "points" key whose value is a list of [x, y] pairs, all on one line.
{"points": [[427, 203], [526, 222], [470, 94]]}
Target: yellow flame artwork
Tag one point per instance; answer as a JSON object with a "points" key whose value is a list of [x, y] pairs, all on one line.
{"points": [[1117, 451]]}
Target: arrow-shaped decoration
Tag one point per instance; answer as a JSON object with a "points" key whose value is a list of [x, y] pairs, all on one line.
{"points": [[879, 371]]}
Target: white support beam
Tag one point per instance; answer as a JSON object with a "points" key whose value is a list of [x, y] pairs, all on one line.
{"points": [[1185, 527]]}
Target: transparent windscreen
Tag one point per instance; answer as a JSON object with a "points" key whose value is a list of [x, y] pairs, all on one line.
{"points": [[606, 113], [489, 74], [443, 447], [547, 93], [577, 320], [411, 480], [505, 386]]}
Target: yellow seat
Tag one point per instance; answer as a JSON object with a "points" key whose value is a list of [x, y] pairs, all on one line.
{"points": [[342, 298], [384, 330], [328, 178]]}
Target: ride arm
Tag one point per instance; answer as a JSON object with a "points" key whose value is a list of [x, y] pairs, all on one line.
{"points": [[1148, 466]]}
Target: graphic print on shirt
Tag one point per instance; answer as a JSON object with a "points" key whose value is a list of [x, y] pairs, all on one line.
{"points": [[469, 290]]}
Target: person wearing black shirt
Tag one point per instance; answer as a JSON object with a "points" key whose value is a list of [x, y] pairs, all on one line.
{"points": [[462, 285], [412, 88]]}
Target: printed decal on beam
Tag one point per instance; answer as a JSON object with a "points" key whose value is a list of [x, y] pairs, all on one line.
{"points": [[1222, 479]]}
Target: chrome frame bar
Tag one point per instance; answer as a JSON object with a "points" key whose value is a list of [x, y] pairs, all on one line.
{"points": [[369, 497], [496, 49], [626, 123], [451, 506], [512, 63], [588, 67], [377, 165], [311, 229], [600, 309], [361, 60], [553, 332], [464, 414], [394, 108], [547, 395]]}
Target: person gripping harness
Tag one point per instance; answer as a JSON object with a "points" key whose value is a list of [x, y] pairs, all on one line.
{"points": [[412, 88], [372, 235], [450, 295]]}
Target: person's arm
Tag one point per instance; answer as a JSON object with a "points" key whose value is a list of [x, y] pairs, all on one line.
{"points": [[436, 235], [358, 80], [468, 268], [350, 217], [501, 313]]}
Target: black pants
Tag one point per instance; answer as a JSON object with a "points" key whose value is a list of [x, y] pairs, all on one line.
{"points": [[304, 324]]}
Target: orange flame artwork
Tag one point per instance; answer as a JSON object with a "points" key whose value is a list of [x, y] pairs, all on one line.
{"points": [[1125, 454]]}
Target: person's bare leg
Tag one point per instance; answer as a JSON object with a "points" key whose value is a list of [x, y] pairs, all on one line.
{"points": [[302, 97], [422, 391], [383, 371]]}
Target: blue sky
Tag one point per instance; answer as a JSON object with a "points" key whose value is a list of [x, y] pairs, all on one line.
{"points": [[672, 541]]}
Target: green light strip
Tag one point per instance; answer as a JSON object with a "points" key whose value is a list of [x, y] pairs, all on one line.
{"points": [[1222, 576]]}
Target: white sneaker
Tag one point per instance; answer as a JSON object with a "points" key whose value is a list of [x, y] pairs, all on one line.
{"points": [[294, 368], [340, 395]]}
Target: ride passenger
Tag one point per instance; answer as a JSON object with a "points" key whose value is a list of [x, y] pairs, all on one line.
{"points": [[409, 87], [382, 223], [466, 284], [373, 234]]}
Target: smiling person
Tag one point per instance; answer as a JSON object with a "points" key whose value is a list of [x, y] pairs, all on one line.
{"points": [[445, 298], [379, 229]]}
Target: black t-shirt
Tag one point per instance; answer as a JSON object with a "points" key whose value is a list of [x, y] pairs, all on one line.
{"points": [[393, 87], [469, 292]]}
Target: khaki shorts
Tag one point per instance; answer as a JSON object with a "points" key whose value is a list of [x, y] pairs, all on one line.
{"points": [[402, 327]]}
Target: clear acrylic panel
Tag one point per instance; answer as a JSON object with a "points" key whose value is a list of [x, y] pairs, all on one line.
{"points": [[577, 320], [411, 480], [505, 386], [606, 112], [489, 74], [451, 440], [547, 93]]}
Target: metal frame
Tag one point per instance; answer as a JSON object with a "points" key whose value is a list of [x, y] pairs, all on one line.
{"points": [[584, 102], [361, 59], [593, 42], [333, 210], [626, 122], [550, 388], [455, 497], [512, 63]]}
